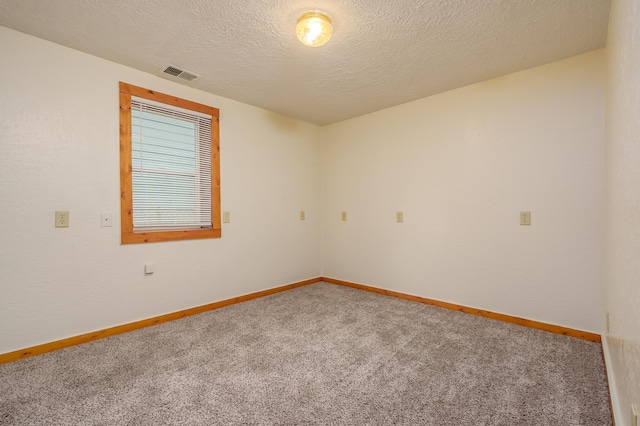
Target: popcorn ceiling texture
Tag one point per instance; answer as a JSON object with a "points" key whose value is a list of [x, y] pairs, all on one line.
{"points": [[383, 53]]}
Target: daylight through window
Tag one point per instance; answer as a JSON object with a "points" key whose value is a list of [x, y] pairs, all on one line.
{"points": [[172, 151]]}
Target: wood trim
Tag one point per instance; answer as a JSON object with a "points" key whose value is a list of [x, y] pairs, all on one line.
{"points": [[141, 92], [154, 237], [84, 338], [215, 174], [127, 236], [584, 335], [126, 200]]}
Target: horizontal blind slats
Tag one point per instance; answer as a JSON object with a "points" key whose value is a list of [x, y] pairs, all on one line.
{"points": [[171, 162]]}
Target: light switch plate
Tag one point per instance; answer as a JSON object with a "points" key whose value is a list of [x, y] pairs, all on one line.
{"points": [[399, 217], [525, 218], [226, 217], [344, 216], [302, 215]]}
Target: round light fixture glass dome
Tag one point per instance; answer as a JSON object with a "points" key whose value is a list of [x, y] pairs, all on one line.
{"points": [[314, 28]]}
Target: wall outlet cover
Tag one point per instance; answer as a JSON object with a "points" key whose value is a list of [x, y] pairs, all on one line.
{"points": [[62, 219]]}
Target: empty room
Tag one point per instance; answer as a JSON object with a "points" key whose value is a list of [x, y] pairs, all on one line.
{"points": [[302, 212]]}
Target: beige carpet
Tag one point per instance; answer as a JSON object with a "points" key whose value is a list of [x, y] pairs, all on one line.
{"points": [[319, 354]]}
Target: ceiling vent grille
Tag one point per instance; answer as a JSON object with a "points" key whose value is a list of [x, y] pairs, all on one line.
{"points": [[180, 73]]}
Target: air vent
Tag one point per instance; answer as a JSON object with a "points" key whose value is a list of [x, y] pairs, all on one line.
{"points": [[180, 73]]}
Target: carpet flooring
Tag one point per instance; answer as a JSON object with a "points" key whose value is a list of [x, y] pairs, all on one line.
{"points": [[319, 354]]}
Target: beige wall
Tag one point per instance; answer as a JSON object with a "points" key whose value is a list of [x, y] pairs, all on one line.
{"points": [[461, 166], [59, 151], [622, 224]]}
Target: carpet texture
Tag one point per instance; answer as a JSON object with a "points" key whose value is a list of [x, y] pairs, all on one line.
{"points": [[319, 354]]}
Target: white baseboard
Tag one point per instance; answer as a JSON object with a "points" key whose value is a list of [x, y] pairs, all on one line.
{"points": [[615, 405]]}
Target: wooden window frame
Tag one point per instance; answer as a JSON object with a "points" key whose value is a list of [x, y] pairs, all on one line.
{"points": [[128, 236]]}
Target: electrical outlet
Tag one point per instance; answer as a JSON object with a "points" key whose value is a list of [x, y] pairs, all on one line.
{"points": [[226, 217], [62, 219], [399, 217], [302, 215], [525, 218], [344, 216]]}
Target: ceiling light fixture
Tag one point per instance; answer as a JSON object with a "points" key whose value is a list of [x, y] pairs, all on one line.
{"points": [[314, 28]]}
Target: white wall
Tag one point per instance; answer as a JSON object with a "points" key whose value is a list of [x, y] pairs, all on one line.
{"points": [[461, 166], [59, 151], [622, 214]]}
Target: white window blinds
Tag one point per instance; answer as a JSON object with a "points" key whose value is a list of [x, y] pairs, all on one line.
{"points": [[171, 167]]}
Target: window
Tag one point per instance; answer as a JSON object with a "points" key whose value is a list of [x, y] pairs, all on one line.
{"points": [[169, 167]]}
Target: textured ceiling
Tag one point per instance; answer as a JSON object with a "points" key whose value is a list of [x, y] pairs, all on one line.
{"points": [[382, 53]]}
